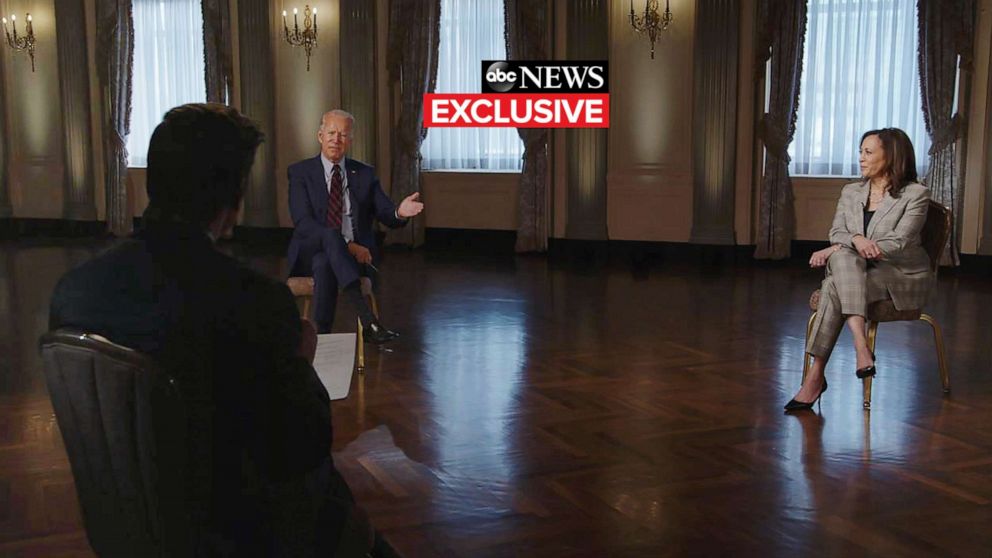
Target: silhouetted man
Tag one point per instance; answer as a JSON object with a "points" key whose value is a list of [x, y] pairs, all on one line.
{"points": [[262, 481]]}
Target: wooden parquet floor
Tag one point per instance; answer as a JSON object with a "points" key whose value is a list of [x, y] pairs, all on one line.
{"points": [[536, 408]]}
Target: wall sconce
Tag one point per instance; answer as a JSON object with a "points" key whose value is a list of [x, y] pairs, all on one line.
{"points": [[17, 42], [651, 23], [306, 38]]}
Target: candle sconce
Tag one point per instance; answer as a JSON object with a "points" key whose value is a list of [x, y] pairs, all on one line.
{"points": [[18, 42], [651, 23], [307, 38]]}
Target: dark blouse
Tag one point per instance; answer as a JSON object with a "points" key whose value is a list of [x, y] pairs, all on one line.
{"points": [[868, 216]]}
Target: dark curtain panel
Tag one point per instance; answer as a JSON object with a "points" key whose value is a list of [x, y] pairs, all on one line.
{"points": [[115, 59], [946, 30], [527, 39], [781, 34], [414, 28], [217, 54]]}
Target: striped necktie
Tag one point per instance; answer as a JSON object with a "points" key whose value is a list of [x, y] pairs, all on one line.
{"points": [[335, 200]]}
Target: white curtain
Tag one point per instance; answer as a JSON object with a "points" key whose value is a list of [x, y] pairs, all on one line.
{"points": [[471, 31], [168, 67], [859, 74]]}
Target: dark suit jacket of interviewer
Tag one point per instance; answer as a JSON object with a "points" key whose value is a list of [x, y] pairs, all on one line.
{"points": [[259, 415]]}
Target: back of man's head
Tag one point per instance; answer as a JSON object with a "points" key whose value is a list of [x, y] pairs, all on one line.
{"points": [[199, 159]]}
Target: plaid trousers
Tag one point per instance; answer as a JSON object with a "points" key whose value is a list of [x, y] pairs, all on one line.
{"points": [[851, 284]]}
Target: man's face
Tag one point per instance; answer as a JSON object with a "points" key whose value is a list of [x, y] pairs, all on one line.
{"points": [[335, 137]]}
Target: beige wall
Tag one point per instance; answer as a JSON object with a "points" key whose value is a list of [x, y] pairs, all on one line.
{"points": [[649, 181], [34, 116], [461, 200]]}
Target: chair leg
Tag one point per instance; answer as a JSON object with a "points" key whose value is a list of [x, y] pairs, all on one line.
{"points": [[938, 338], [361, 349], [306, 308], [866, 382], [806, 356]]}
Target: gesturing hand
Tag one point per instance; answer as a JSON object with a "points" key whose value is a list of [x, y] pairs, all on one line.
{"points": [[360, 253], [820, 257], [410, 206], [868, 249]]}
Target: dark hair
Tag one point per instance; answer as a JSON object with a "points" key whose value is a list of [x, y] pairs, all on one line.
{"points": [[199, 158], [900, 159]]}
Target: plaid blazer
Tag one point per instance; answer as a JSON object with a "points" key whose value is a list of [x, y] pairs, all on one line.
{"points": [[896, 227]]}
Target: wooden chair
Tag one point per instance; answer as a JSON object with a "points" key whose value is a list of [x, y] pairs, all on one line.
{"points": [[303, 289], [123, 424], [935, 233]]}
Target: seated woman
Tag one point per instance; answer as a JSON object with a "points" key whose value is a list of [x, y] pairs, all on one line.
{"points": [[875, 255]]}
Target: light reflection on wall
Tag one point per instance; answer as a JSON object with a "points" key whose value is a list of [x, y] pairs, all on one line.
{"points": [[474, 343]]}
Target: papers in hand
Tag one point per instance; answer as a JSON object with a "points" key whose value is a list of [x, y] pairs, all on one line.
{"points": [[334, 362]]}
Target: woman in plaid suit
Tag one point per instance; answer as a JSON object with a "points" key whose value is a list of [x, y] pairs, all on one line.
{"points": [[875, 254]]}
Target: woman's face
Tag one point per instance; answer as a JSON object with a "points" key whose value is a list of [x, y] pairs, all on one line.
{"points": [[872, 157]]}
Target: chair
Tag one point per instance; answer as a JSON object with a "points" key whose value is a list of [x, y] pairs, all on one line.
{"points": [[936, 230], [123, 424], [303, 289]]}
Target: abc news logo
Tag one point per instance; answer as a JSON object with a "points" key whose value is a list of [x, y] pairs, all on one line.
{"points": [[528, 94], [572, 76]]}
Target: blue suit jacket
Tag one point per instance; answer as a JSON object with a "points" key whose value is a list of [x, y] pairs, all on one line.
{"points": [[308, 208]]}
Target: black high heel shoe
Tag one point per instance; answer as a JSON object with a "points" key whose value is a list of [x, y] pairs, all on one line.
{"points": [[867, 371], [794, 405]]}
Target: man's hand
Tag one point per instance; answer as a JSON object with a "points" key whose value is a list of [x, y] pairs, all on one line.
{"points": [[868, 249], [360, 253], [308, 340], [820, 257], [410, 206]]}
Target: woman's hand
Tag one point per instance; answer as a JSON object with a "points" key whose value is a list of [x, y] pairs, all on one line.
{"points": [[868, 249], [820, 257]]}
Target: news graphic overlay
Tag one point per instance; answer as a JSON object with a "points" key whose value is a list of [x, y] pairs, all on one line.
{"points": [[528, 94]]}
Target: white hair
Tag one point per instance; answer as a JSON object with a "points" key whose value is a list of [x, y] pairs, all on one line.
{"points": [[337, 112]]}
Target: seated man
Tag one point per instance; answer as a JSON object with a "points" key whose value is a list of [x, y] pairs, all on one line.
{"points": [[262, 481], [333, 200]]}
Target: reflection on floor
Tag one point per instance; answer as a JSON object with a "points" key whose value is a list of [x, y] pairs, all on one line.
{"points": [[534, 408]]}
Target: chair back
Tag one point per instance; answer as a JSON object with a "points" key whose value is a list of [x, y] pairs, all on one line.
{"points": [[124, 428], [936, 231]]}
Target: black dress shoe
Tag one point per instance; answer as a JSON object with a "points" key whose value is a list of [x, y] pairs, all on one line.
{"points": [[794, 405], [377, 334], [867, 371]]}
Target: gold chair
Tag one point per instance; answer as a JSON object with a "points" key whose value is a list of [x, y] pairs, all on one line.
{"points": [[935, 233], [303, 288]]}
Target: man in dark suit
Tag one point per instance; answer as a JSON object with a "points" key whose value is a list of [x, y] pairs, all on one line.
{"points": [[333, 200], [262, 480]]}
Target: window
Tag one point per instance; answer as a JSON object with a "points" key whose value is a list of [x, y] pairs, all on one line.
{"points": [[860, 73], [168, 67], [471, 31]]}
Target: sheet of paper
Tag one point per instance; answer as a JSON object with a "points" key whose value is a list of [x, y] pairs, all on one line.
{"points": [[334, 362]]}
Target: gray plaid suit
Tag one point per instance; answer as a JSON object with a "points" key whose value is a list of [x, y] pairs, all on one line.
{"points": [[852, 283]]}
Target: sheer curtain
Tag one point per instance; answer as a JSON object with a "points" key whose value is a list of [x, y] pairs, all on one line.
{"points": [[471, 31], [859, 73], [168, 66]]}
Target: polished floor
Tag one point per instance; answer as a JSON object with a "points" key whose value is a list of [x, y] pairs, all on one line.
{"points": [[581, 408]]}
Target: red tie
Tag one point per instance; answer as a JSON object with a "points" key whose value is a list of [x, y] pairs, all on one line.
{"points": [[335, 201]]}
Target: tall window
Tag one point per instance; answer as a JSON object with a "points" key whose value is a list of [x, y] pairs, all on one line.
{"points": [[168, 67], [471, 31], [860, 73]]}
